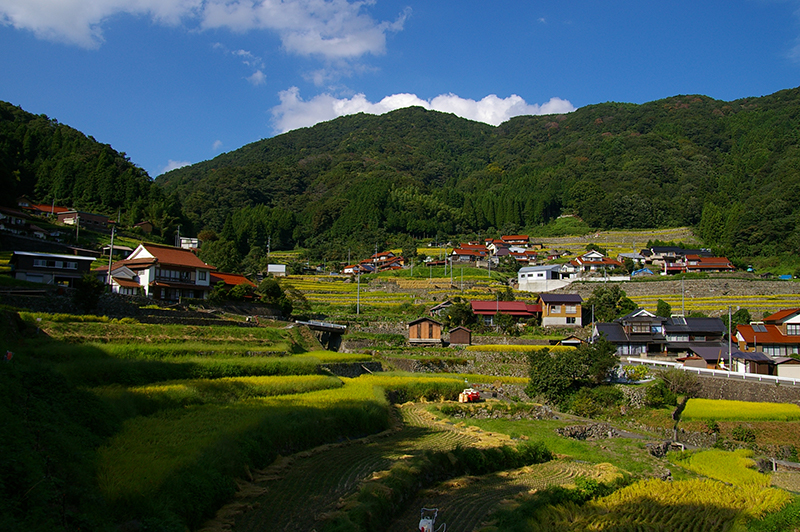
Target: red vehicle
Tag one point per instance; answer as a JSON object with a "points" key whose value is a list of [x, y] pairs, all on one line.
{"points": [[469, 395]]}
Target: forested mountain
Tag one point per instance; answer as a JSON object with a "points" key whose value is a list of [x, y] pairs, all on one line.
{"points": [[728, 168], [52, 162]]}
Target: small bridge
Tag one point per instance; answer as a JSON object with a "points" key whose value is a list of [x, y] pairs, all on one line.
{"points": [[329, 334]]}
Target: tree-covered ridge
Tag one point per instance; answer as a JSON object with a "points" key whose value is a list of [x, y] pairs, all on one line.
{"points": [[729, 168], [52, 162]]}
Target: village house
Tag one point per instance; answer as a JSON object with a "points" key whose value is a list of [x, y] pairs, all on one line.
{"points": [[487, 310], [589, 263], [641, 333], [561, 310], [778, 335], [49, 268], [86, 220], [162, 272], [230, 280], [40, 209], [516, 240], [541, 278]]}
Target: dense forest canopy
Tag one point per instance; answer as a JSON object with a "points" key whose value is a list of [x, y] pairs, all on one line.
{"points": [[51, 162], [729, 169]]}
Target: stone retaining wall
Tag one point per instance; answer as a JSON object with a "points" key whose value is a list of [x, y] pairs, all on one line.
{"points": [[737, 390]]}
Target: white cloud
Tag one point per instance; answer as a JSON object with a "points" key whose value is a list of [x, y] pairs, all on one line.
{"points": [[333, 29], [174, 165], [217, 145], [79, 21], [293, 112], [258, 78]]}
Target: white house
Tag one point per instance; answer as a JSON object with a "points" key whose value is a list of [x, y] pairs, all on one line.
{"points": [[541, 278], [161, 272]]}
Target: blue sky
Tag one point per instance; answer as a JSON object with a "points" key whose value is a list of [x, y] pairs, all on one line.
{"points": [[173, 82]]}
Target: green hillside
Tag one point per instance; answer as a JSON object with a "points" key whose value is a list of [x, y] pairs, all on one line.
{"points": [[728, 168], [52, 162]]}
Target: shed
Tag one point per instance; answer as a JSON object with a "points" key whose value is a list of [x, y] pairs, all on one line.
{"points": [[460, 336], [788, 367], [425, 331]]}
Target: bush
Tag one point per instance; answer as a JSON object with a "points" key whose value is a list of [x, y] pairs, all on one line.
{"points": [[681, 382], [744, 434], [591, 402], [658, 394]]}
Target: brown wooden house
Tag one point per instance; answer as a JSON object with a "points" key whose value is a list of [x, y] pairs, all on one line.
{"points": [[425, 331]]}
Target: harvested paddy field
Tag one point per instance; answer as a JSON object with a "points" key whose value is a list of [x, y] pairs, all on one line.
{"points": [[298, 492]]}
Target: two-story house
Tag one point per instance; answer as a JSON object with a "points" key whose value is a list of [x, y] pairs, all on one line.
{"points": [[641, 333], [561, 310], [778, 335], [162, 272]]}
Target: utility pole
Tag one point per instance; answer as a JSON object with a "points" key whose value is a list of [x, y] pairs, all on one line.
{"points": [[730, 355], [269, 245], [111, 251], [358, 293]]}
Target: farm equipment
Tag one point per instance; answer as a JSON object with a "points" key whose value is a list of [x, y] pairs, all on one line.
{"points": [[469, 395], [427, 520]]}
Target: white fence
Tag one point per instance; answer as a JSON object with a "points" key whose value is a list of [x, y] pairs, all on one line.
{"points": [[717, 372]]}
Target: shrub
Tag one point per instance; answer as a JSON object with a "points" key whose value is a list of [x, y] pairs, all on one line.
{"points": [[658, 394], [681, 382], [744, 434], [635, 373]]}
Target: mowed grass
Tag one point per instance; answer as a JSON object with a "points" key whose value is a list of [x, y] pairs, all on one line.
{"points": [[725, 410]]}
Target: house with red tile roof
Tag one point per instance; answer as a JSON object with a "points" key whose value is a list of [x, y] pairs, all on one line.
{"points": [[778, 335], [468, 255], [588, 263], [230, 280], [163, 272], [515, 240], [487, 310]]}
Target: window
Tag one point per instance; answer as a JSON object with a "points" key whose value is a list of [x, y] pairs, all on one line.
{"points": [[40, 263], [555, 309], [570, 320], [640, 327], [201, 276], [793, 329], [571, 309], [430, 330]]}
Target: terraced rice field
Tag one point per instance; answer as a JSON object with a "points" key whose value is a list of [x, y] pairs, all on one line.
{"points": [[719, 303], [297, 492], [341, 292], [464, 503]]}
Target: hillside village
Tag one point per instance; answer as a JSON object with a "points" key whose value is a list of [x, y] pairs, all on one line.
{"points": [[176, 360], [169, 274]]}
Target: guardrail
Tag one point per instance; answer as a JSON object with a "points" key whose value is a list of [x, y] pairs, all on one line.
{"points": [[717, 372]]}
